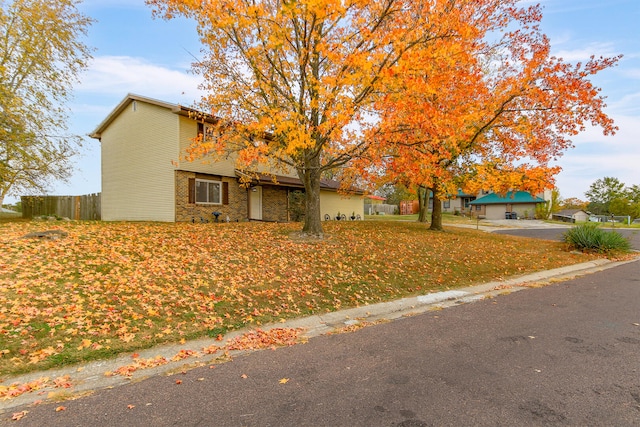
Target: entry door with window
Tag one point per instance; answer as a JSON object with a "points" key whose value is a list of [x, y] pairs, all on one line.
{"points": [[255, 203]]}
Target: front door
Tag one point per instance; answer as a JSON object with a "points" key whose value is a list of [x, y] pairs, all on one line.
{"points": [[255, 203]]}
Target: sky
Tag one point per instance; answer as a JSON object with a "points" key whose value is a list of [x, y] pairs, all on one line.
{"points": [[136, 53]]}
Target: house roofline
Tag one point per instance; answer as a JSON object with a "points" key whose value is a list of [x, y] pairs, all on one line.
{"points": [[511, 197], [97, 133], [291, 182], [174, 108]]}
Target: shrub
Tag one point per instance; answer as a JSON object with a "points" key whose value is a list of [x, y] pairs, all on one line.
{"points": [[589, 237], [296, 205]]}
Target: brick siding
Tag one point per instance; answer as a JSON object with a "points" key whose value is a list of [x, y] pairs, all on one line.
{"points": [[236, 210], [274, 203]]}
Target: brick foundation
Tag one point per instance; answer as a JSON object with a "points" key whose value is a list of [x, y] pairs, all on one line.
{"points": [[274, 201]]}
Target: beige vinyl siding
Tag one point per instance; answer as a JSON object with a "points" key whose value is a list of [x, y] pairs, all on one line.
{"points": [[138, 181], [497, 211], [522, 208], [218, 166], [331, 203], [188, 131]]}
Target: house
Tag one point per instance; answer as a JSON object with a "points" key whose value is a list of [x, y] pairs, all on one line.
{"points": [[144, 177], [458, 203], [571, 215], [372, 199], [455, 203], [514, 204]]}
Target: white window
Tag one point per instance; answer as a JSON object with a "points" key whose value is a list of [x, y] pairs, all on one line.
{"points": [[207, 130], [209, 192]]}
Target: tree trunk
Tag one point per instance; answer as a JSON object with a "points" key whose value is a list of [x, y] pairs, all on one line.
{"points": [[436, 213], [423, 204], [310, 176]]}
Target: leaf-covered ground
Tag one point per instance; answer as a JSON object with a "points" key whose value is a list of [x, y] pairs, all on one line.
{"points": [[107, 288]]}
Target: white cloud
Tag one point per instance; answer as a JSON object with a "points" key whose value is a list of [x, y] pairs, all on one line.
{"points": [[585, 52], [596, 156], [108, 75]]}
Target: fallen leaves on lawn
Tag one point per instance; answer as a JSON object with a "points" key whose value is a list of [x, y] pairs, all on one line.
{"points": [[110, 288]]}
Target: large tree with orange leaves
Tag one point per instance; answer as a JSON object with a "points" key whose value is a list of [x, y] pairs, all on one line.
{"points": [[298, 79], [492, 113]]}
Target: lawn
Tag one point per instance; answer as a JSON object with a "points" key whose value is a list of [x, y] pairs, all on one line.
{"points": [[109, 288]]}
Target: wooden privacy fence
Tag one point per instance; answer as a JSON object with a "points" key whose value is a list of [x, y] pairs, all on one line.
{"points": [[85, 207]]}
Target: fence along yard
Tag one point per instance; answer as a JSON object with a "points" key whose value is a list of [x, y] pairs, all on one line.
{"points": [[85, 207]]}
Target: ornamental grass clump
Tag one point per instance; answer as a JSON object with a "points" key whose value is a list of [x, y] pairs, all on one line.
{"points": [[589, 237]]}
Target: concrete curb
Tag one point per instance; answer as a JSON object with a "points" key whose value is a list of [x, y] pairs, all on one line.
{"points": [[86, 378]]}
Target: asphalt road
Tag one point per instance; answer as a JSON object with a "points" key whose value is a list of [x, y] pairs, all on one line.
{"points": [[556, 233], [567, 354]]}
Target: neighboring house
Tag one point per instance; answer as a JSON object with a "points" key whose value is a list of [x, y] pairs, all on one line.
{"points": [[514, 204], [372, 199], [144, 177], [460, 203], [571, 215]]}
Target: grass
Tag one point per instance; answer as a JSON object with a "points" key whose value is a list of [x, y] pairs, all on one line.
{"points": [[110, 288], [447, 218]]}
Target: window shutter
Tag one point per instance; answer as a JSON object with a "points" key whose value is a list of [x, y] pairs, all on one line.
{"points": [[201, 129], [225, 193], [192, 190]]}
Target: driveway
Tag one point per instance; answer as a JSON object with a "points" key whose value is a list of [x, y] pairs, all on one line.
{"points": [[541, 230], [529, 223]]}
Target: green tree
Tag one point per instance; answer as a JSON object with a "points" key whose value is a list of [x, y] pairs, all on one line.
{"points": [[41, 56], [396, 193], [602, 192], [633, 193], [544, 210], [623, 206]]}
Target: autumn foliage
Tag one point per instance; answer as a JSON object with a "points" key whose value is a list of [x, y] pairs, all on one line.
{"points": [[297, 82], [487, 109], [109, 288], [439, 95]]}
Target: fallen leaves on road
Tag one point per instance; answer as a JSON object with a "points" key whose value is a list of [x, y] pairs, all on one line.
{"points": [[138, 363], [18, 389], [17, 416], [259, 339]]}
